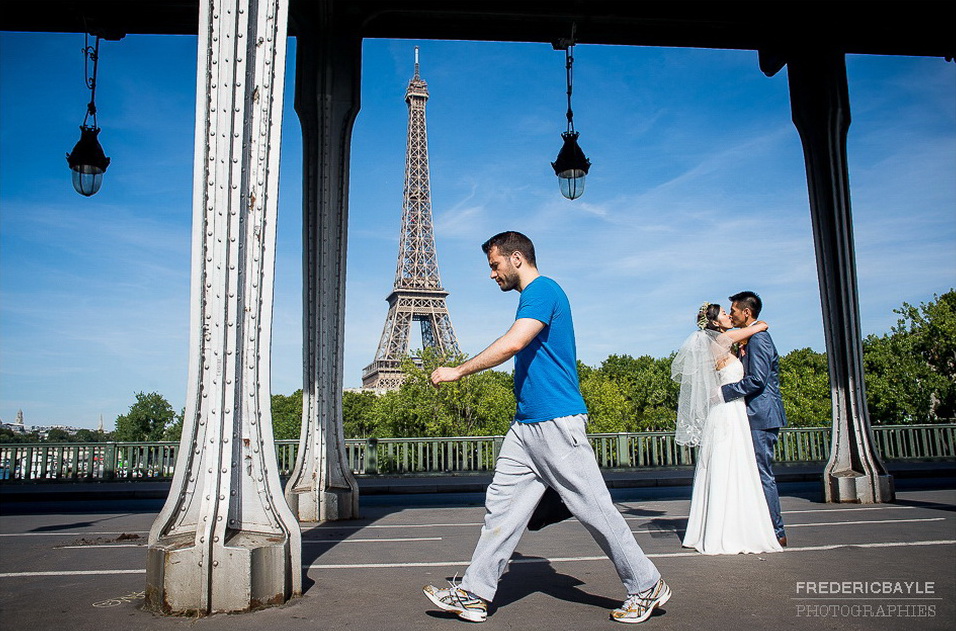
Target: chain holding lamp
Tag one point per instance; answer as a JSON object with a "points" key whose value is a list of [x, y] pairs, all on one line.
{"points": [[87, 161], [571, 165]]}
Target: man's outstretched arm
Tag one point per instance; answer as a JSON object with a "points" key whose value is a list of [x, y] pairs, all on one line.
{"points": [[501, 350]]}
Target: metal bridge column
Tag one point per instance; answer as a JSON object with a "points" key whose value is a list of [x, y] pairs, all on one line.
{"points": [[328, 67], [225, 539], [820, 104]]}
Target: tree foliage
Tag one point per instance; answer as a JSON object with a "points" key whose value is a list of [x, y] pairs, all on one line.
{"points": [[628, 394], [358, 414], [910, 377], [147, 419], [805, 388], [480, 404], [10, 436], [608, 407], [287, 415], [911, 371]]}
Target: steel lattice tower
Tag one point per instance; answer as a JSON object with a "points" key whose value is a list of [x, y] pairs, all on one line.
{"points": [[418, 295]]}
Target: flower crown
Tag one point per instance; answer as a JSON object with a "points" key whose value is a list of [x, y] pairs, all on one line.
{"points": [[702, 316]]}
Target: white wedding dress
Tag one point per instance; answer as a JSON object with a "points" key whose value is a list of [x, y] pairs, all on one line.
{"points": [[728, 510]]}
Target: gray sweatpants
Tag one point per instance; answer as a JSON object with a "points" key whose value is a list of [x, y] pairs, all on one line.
{"points": [[553, 453]]}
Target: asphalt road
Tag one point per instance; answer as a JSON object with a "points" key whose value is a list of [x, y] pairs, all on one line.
{"points": [[80, 565]]}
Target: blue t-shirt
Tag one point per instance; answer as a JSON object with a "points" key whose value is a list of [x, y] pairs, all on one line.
{"points": [[546, 375]]}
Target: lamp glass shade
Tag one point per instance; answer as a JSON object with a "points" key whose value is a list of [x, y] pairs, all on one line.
{"points": [[87, 162], [571, 183], [571, 166], [87, 180]]}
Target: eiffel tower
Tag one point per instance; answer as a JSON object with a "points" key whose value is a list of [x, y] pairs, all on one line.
{"points": [[418, 295]]}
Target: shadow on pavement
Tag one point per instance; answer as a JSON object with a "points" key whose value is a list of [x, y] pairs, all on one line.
{"points": [[930, 505], [527, 575], [663, 528]]}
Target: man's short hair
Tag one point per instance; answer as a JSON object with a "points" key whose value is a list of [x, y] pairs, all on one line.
{"points": [[509, 242], [748, 300]]}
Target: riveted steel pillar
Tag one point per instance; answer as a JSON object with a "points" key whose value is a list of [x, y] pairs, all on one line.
{"points": [[328, 67], [226, 540], [820, 105]]}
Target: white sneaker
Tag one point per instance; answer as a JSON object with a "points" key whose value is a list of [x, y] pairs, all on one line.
{"points": [[468, 606], [638, 607]]}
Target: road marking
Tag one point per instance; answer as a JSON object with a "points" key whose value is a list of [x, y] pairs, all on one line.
{"points": [[888, 544], [73, 533], [850, 508], [103, 545], [402, 539], [307, 526], [651, 524], [361, 566], [786, 512], [115, 602], [70, 573], [304, 541], [358, 566], [866, 521]]}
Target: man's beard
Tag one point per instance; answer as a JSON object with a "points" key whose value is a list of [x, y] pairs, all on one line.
{"points": [[510, 281]]}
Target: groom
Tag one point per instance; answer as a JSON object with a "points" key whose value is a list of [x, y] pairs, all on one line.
{"points": [[760, 387]]}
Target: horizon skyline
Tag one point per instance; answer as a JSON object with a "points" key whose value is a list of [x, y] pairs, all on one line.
{"points": [[691, 150]]}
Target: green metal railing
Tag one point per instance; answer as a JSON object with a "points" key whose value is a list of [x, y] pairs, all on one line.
{"points": [[157, 460]]}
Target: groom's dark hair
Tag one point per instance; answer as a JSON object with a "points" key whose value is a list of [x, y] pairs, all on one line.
{"points": [[510, 242], [748, 300]]}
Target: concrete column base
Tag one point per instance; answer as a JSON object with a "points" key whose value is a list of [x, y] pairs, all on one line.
{"points": [[328, 505], [858, 488], [251, 571], [339, 504]]}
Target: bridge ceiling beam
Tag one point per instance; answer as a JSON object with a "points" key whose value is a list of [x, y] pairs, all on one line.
{"points": [[884, 28]]}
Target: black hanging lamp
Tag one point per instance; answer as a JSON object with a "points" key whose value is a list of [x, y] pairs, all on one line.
{"points": [[572, 165], [87, 161]]}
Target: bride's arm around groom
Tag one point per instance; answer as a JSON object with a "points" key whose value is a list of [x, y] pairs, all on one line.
{"points": [[760, 385]]}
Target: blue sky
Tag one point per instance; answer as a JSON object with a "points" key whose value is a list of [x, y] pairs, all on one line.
{"points": [[697, 190]]}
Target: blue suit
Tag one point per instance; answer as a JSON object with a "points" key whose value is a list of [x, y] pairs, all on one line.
{"points": [[760, 388]]}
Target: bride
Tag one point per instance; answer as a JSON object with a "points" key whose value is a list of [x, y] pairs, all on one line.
{"points": [[728, 510]]}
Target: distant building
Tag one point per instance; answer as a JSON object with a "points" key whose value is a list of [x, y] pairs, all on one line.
{"points": [[20, 427]]}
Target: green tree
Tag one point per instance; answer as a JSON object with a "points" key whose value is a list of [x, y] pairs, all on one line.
{"points": [[479, 404], [646, 382], [911, 371], [931, 328], [57, 435], [7, 435], [608, 407], [147, 418], [805, 388], [92, 436], [655, 396], [287, 415], [174, 431], [358, 414]]}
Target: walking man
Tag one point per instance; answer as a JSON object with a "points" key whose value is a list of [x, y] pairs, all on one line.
{"points": [[760, 388], [546, 445]]}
